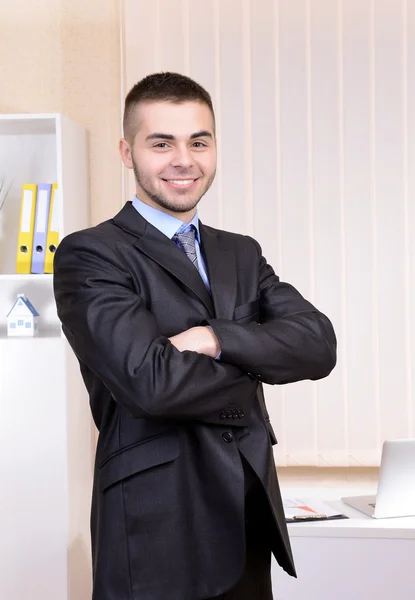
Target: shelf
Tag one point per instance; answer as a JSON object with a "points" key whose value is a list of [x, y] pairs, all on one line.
{"points": [[38, 289], [25, 278], [49, 334], [27, 124], [45, 413], [28, 154]]}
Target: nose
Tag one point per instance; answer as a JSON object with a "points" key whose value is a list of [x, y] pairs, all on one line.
{"points": [[182, 158]]}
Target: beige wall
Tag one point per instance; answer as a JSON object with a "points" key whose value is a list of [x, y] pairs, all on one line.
{"points": [[64, 56]]}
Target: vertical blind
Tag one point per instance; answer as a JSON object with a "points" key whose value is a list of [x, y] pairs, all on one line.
{"points": [[315, 105]]}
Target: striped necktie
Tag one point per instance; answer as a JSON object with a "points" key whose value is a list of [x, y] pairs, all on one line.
{"points": [[185, 239]]}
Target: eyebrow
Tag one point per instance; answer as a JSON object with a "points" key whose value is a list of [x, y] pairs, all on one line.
{"points": [[168, 136], [199, 134]]}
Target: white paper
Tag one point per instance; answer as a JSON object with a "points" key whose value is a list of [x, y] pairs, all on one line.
{"points": [[26, 211], [41, 219], [297, 507]]}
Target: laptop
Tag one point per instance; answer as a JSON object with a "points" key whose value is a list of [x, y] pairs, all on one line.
{"points": [[396, 485]]}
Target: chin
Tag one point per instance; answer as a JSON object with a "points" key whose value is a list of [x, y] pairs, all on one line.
{"points": [[179, 205], [180, 208]]}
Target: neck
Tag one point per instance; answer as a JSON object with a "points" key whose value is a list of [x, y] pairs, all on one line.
{"points": [[185, 217]]}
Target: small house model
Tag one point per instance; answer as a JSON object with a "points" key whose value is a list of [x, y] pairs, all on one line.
{"points": [[23, 318]]}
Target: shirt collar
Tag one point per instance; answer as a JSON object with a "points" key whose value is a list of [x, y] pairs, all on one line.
{"points": [[162, 221]]}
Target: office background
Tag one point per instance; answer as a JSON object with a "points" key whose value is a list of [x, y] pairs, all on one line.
{"points": [[315, 102]]}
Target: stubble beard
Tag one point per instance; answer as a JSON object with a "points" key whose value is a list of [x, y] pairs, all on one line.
{"points": [[161, 200]]}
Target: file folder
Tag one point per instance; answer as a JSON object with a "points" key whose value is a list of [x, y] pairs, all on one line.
{"points": [[41, 227], [52, 239], [26, 228], [298, 510]]}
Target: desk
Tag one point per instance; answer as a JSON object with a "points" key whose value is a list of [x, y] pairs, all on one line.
{"points": [[359, 558]]}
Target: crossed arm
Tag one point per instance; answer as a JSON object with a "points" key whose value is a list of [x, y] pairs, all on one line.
{"points": [[290, 341], [118, 339]]}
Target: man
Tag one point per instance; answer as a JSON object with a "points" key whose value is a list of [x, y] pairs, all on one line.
{"points": [[176, 325]]}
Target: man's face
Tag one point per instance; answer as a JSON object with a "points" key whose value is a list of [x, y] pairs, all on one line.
{"points": [[173, 155]]}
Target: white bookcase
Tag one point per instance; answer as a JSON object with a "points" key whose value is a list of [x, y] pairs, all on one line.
{"points": [[46, 436]]}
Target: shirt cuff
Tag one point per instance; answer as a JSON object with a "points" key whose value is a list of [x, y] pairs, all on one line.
{"points": [[220, 353]]}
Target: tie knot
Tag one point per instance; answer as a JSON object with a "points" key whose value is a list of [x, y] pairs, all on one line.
{"points": [[185, 234], [186, 228]]}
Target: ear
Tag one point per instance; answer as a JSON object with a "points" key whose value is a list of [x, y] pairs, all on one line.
{"points": [[125, 153]]}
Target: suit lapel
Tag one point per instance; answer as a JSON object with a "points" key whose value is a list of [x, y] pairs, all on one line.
{"points": [[162, 250], [165, 252], [221, 266]]}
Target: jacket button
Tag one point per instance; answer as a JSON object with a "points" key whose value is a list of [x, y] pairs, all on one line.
{"points": [[223, 415], [241, 414], [227, 437], [229, 414]]}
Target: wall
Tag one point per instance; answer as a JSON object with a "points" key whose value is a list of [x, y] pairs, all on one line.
{"points": [[64, 56], [315, 102]]}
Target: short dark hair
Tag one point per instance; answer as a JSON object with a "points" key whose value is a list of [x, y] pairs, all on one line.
{"points": [[162, 87]]}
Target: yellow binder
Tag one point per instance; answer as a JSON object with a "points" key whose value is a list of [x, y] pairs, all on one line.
{"points": [[26, 228], [52, 239]]}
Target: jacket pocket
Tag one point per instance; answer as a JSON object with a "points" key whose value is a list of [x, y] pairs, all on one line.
{"points": [[144, 455], [247, 310], [271, 432]]}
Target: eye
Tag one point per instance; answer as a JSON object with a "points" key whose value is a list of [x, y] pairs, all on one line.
{"points": [[199, 145], [161, 145]]}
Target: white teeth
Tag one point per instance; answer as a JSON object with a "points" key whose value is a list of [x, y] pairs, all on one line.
{"points": [[181, 181]]}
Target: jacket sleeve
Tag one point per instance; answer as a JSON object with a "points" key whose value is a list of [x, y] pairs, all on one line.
{"points": [[289, 341], [113, 333]]}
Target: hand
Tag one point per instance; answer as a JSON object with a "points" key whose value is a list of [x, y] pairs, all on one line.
{"points": [[197, 339]]}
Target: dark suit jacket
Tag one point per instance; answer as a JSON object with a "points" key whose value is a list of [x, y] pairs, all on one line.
{"points": [[168, 498]]}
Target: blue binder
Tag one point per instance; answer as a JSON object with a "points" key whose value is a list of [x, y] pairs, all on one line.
{"points": [[41, 227]]}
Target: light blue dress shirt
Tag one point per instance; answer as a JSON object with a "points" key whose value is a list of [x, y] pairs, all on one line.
{"points": [[169, 225]]}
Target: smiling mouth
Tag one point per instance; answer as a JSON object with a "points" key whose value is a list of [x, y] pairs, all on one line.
{"points": [[180, 182]]}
